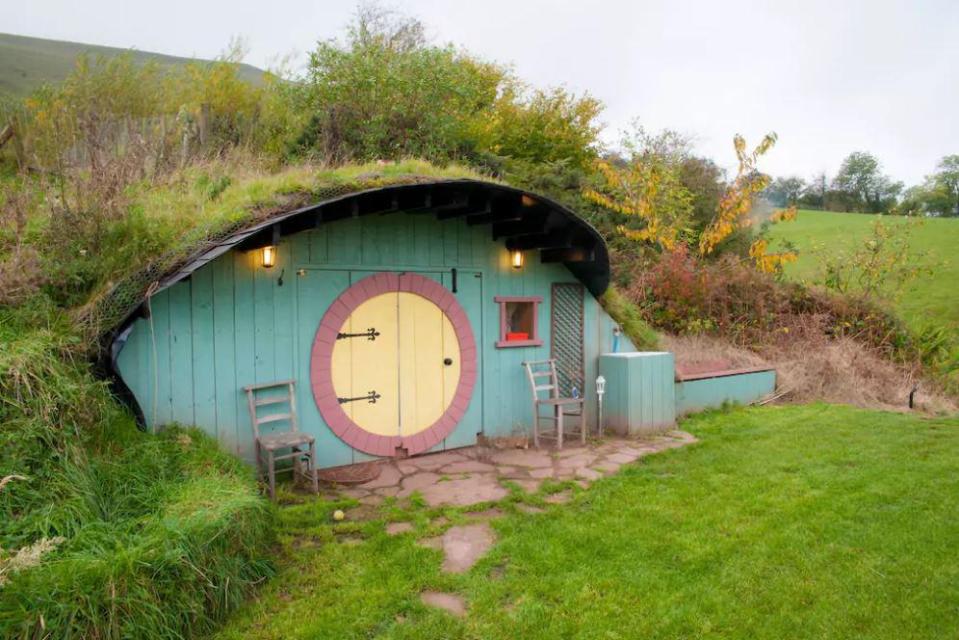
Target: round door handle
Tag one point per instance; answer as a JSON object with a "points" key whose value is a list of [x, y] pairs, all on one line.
{"points": [[447, 361]]}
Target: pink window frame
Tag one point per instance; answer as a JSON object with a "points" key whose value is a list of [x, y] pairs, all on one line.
{"points": [[503, 343]]}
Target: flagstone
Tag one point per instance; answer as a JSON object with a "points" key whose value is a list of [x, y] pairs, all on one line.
{"points": [[452, 603], [464, 545], [522, 458], [389, 476], [467, 466]]}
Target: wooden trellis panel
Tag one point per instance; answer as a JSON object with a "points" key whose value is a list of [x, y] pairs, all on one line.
{"points": [[567, 344]]}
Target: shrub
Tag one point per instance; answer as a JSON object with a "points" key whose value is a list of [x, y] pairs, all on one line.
{"points": [[385, 93], [728, 297]]}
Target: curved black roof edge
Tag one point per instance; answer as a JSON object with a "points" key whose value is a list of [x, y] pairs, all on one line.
{"points": [[522, 219]]}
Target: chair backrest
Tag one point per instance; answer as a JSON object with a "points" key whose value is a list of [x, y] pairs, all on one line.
{"points": [[254, 400], [542, 377]]}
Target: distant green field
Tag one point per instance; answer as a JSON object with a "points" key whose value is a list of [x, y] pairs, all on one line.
{"points": [[928, 299], [26, 63]]}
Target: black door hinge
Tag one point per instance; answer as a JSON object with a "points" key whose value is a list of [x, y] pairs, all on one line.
{"points": [[370, 397], [369, 334]]}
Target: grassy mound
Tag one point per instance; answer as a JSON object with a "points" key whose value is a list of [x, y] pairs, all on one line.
{"points": [[630, 318], [106, 531]]}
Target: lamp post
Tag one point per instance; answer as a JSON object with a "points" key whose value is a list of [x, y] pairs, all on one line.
{"points": [[600, 390]]}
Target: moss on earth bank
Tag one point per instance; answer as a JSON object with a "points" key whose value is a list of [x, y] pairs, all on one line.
{"points": [[105, 531]]}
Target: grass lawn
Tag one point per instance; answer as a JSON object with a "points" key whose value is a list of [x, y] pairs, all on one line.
{"points": [[929, 299], [783, 522]]}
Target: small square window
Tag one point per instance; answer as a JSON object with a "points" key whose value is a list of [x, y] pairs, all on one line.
{"points": [[518, 326]]}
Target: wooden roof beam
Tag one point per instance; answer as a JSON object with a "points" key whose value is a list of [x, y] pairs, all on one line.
{"points": [[527, 225], [553, 240], [502, 208]]}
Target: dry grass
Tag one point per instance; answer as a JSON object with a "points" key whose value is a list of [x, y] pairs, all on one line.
{"points": [[839, 371]]}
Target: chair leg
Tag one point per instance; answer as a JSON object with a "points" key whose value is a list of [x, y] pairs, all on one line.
{"points": [[582, 423], [297, 466], [311, 465], [271, 472], [536, 426], [259, 460], [559, 427]]}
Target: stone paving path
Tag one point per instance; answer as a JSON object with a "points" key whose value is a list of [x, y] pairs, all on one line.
{"points": [[475, 475], [480, 474]]}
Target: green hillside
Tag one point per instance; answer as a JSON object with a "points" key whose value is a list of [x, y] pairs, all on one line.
{"points": [[927, 299], [26, 63]]}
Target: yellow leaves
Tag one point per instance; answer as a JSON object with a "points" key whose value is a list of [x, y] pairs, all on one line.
{"points": [[736, 203], [604, 201], [648, 189], [769, 262], [784, 215]]}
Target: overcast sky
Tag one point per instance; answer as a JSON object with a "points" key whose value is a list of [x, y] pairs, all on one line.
{"points": [[829, 77]]}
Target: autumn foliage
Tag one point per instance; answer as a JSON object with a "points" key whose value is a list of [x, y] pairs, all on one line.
{"points": [[648, 188]]}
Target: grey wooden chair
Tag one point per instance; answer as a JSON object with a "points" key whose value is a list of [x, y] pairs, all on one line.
{"points": [[542, 378], [268, 444]]}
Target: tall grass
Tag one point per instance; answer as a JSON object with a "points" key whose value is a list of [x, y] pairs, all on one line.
{"points": [[154, 536]]}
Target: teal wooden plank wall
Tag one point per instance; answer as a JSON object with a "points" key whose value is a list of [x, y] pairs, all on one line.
{"points": [[231, 324], [712, 393]]}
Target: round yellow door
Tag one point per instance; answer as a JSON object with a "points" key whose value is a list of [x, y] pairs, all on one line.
{"points": [[396, 364]]}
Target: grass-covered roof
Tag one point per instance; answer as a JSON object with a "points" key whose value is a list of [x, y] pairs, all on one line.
{"points": [[219, 213], [188, 216]]}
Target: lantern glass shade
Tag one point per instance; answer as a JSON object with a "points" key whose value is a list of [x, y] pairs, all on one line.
{"points": [[516, 259], [269, 256], [600, 385]]}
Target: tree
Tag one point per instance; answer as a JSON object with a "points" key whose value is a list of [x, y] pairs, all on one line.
{"points": [[540, 127], [706, 182], [736, 203], [785, 191], [862, 185], [814, 194], [946, 182], [646, 187]]}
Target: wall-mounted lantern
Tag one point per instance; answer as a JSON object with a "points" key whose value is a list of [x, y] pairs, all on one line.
{"points": [[516, 259], [268, 256]]}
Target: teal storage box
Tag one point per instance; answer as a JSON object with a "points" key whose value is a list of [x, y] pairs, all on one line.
{"points": [[640, 392]]}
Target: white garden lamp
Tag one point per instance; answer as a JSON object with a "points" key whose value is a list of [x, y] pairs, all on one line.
{"points": [[600, 390]]}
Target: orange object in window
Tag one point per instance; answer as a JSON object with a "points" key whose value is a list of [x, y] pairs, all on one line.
{"points": [[517, 321]]}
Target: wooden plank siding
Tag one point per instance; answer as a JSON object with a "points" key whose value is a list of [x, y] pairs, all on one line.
{"points": [[233, 324]]}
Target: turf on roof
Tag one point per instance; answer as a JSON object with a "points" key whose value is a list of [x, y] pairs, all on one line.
{"points": [[107, 310]]}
